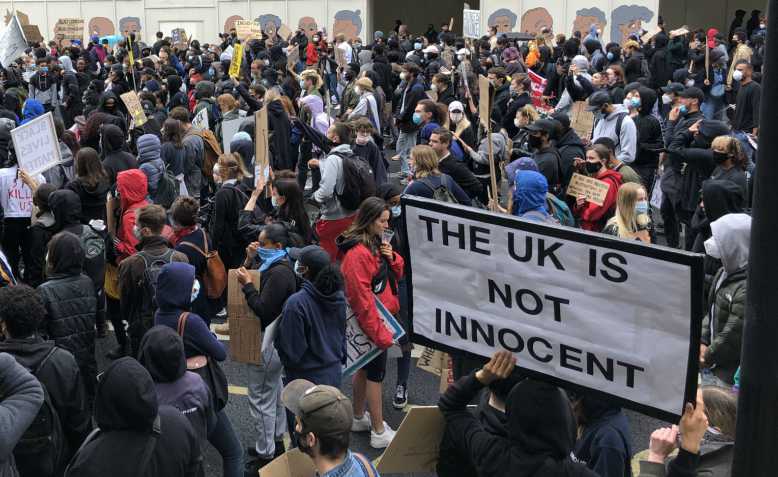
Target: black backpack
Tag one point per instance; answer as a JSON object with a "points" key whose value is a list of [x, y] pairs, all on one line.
{"points": [[40, 450], [153, 266], [94, 247], [167, 189], [358, 181]]}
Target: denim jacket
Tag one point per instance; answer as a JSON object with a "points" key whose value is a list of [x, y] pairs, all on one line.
{"points": [[352, 466]]}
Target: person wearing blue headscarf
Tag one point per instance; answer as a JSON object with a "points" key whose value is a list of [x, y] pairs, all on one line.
{"points": [[529, 196]]}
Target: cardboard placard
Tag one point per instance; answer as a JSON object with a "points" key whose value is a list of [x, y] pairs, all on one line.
{"points": [[237, 59], [431, 360], [471, 23], [292, 56], [261, 142], [132, 101], [36, 145], [484, 105], [229, 128], [68, 29], [593, 189], [291, 463], [416, 446], [248, 30], [245, 327], [180, 38], [200, 120], [284, 32], [32, 33], [360, 349], [581, 120], [340, 57], [650, 34]]}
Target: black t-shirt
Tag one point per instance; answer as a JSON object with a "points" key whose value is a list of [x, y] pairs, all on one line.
{"points": [[747, 107]]}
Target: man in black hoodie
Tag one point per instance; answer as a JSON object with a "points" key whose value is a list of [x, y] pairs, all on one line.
{"points": [[540, 426], [649, 136], [21, 311], [113, 152], [135, 435], [568, 144]]}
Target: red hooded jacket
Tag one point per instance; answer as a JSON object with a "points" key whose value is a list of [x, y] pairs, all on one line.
{"points": [[359, 266], [133, 188], [593, 216]]}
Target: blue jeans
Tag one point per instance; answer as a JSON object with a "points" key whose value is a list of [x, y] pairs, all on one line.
{"points": [[332, 84], [405, 142], [224, 439]]}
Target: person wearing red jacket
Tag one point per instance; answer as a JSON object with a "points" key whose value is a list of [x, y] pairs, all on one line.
{"points": [[592, 216], [371, 268], [133, 188]]}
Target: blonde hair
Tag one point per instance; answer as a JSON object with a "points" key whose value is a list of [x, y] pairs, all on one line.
{"points": [[312, 75], [425, 161], [530, 113], [721, 409], [227, 102], [365, 83], [231, 167], [625, 219]]}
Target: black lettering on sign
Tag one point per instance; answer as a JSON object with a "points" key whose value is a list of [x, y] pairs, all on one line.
{"points": [[542, 252], [429, 221], [527, 300], [459, 234], [566, 355], [611, 270], [475, 239]]}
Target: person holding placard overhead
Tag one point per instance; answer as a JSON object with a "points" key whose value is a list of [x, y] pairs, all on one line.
{"points": [[590, 215], [371, 269], [16, 191]]}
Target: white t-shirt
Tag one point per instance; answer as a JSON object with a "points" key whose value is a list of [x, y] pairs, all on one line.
{"points": [[347, 52], [15, 195]]}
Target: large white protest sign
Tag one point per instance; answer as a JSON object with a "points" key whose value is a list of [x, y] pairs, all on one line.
{"points": [[579, 308], [36, 145], [360, 350], [200, 120], [12, 42], [229, 129], [471, 23]]}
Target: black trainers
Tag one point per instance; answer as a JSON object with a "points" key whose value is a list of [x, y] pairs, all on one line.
{"points": [[400, 397]]}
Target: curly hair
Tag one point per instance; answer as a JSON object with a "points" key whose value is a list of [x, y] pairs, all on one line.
{"points": [[21, 309]]}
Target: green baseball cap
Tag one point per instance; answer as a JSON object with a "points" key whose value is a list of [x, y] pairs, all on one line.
{"points": [[324, 410]]}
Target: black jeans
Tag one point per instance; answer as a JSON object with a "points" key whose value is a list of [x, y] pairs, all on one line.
{"points": [[16, 242], [306, 153], [671, 223]]}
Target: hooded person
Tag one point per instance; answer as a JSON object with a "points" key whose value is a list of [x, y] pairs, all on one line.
{"points": [[568, 144], [175, 95], [242, 144], [111, 104], [540, 428], [132, 188], [281, 137], [604, 439], [719, 198], [7, 156], [113, 150], [204, 93], [72, 104], [71, 304], [722, 330], [155, 440], [150, 161], [40, 234], [162, 354], [649, 133], [32, 109], [529, 196], [577, 84]]}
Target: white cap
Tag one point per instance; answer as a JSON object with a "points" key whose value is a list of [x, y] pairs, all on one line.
{"points": [[431, 49], [463, 51]]}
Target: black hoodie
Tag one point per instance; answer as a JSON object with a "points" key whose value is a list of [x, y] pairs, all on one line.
{"points": [[92, 197], [649, 132], [114, 152], [540, 431], [126, 411], [280, 140]]}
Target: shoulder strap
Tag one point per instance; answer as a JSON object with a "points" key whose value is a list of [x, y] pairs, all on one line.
{"points": [[151, 443], [199, 250], [182, 323], [619, 120], [365, 465], [43, 361]]}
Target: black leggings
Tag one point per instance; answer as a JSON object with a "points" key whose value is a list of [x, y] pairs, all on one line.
{"points": [[16, 242], [306, 153]]}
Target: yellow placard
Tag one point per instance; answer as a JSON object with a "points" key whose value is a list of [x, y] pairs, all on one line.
{"points": [[237, 59]]}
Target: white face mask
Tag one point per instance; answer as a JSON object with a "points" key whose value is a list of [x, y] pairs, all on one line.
{"points": [[136, 232], [434, 87], [403, 75], [737, 75], [195, 289], [461, 57], [666, 99], [689, 83], [456, 117], [762, 26], [517, 123]]}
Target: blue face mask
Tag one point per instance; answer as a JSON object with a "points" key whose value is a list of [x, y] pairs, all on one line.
{"points": [[269, 256], [417, 118], [635, 102], [274, 201], [683, 109], [609, 56], [195, 290], [211, 72], [397, 211], [641, 207], [417, 46]]}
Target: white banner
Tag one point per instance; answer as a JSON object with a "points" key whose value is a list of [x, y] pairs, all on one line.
{"points": [[36, 145], [12, 42], [471, 23], [200, 120], [601, 313], [229, 129]]}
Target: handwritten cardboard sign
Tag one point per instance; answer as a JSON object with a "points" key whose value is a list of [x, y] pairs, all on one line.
{"points": [[650, 34], [237, 59], [416, 446], [248, 30], [132, 101], [581, 120], [69, 29], [593, 189], [36, 145], [245, 327]]}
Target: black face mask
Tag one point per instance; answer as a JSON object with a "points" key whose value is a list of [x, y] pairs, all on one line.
{"points": [[535, 142], [593, 167], [720, 157]]}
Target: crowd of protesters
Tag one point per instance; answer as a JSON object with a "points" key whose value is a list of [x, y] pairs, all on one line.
{"points": [[138, 225]]}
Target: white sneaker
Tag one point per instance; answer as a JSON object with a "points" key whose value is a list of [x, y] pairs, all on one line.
{"points": [[362, 424], [381, 441]]}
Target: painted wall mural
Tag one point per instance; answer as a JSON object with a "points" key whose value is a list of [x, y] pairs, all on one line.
{"points": [[628, 19], [503, 19], [586, 17], [229, 23], [308, 25], [348, 22], [101, 26], [269, 23], [129, 24], [535, 19]]}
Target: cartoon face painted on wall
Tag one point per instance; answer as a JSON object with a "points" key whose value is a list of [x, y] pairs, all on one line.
{"points": [[101, 26], [503, 19], [129, 24], [535, 19], [586, 17], [628, 19], [348, 22], [229, 23], [270, 24], [308, 25]]}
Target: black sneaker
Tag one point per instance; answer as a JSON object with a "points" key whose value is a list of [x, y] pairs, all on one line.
{"points": [[400, 397]]}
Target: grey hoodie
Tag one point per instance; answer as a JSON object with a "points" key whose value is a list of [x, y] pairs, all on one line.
{"points": [[730, 241], [22, 398], [331, 184], [627, 141]]}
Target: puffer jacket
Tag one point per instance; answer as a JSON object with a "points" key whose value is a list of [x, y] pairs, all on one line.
{"points": [[150, 161], [71, 305]]}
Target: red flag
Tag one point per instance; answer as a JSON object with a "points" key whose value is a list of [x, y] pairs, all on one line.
{"points": [[538, 86]]}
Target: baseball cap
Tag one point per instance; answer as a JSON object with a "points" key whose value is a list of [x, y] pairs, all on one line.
{"points": [[713, 128], [456, 106], [324, 410], [673, 88], [311, 256], [598, 100], [542, 125], [693, 93], [431, 49], [463, 51]]}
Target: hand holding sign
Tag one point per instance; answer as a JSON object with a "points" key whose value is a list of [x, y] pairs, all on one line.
{"points": [[499, 367]]}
